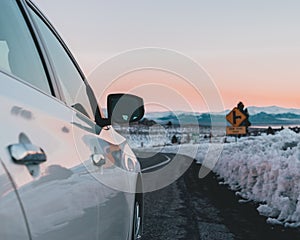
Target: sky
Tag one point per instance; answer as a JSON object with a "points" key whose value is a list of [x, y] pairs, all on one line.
{"points": [[250, 49]]}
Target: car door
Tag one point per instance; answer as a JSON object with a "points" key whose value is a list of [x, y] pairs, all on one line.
{"points": [[116, 167], [13, 223], [57, 192]]}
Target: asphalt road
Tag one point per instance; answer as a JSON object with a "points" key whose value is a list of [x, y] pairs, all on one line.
{"points": [[193, 208]]}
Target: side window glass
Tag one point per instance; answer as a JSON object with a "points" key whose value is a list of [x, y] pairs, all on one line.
{"points": [[73, 86], [18, 53]]}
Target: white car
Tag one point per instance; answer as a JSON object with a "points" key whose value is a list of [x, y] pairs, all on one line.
{"points": [[64, 172]]}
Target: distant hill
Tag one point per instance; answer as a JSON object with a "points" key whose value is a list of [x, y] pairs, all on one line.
{"points": [[272, 110], [263, 118], [259, 116]]}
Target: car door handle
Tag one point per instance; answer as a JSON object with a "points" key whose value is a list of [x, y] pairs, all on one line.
{"points": [[98, 159], [26, 154]]}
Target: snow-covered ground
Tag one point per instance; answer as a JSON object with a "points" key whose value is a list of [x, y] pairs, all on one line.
{"points": [[158, 135], [264, 169]]}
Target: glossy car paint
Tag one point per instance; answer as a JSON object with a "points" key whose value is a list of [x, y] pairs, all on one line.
{"points": [[13, 224], [68, 196]]}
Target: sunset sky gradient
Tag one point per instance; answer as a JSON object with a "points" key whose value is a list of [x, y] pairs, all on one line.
{"points": [[251, 49]]}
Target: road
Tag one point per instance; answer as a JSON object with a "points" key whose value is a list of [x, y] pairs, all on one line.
{"points": [[193, 208]]}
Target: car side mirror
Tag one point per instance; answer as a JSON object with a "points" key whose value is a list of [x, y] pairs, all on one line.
{"points": [[124, 108]]}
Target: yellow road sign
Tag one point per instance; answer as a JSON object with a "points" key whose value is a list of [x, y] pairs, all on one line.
{"points": [[235, 130], [236, 117]]}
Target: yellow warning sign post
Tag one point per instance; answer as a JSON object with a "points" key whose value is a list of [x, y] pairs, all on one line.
{"points": [[236, 117]]}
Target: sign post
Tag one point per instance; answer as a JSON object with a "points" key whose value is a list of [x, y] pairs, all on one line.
{"points": [[238, 118]]}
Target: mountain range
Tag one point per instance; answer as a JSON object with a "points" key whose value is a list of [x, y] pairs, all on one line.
{"points": [[259, 116]]}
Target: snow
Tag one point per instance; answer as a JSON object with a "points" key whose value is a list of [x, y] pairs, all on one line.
{"points": [[263, 169], [266, 170]]}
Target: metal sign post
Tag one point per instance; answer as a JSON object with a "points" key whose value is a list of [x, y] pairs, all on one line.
{"points": [[238, 118]]}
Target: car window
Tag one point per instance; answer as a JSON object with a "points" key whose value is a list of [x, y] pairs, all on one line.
{"points": [[71, 81], [18, 53]]}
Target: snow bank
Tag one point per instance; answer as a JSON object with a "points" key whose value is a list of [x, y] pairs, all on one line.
{"points": [[264, 169]]}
